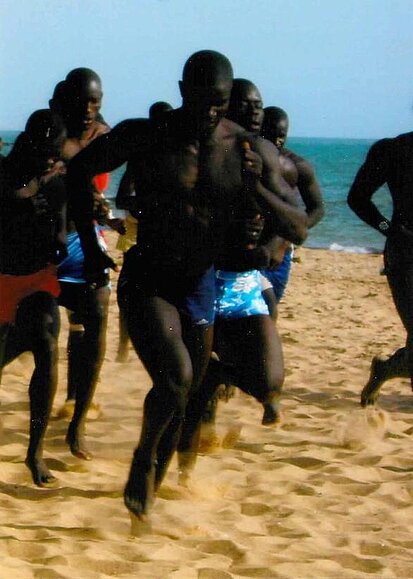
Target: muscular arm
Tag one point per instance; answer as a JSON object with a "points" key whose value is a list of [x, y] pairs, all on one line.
{"points": [[275, 195], [310, 192], [371, 175], [104, 154]]}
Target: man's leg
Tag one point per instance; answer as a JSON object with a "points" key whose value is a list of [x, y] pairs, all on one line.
{"points": [[198, 340], [38, 323], [156, 333], [382, 370], [123, 343], [259, 361], [400, 364], [251, 354], [94, 308], [74, 355], [197, 406]]}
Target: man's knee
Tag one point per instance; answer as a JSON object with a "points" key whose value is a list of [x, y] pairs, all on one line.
{"points": [[261, 385]]}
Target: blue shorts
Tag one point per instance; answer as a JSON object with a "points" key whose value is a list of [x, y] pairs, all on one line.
{"points": [[193, 296], [279, 277], [71, 268], [239, 295]]}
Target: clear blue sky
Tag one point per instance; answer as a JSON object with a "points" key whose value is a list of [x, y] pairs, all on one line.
{"points": [[341, 68]]}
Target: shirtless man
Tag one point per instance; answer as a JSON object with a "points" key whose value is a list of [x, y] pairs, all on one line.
{"points": [[390, 161], [191, 171], [78, 100], [246, 339], [300, 175], [32, 242]]}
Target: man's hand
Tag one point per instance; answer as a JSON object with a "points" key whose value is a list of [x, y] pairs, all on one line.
{"points": [[251, 164], [276, 248]]}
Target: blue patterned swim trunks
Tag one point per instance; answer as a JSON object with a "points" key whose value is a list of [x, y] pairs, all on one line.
{"points": [[239, 295]]}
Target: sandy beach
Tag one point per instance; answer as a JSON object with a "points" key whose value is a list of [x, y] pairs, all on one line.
{"points": [[326, 494]]}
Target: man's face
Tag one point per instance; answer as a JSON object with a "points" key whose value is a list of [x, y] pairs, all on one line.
{"points": [[205, 106], [276, 131], [248, 110], [83, 104]]}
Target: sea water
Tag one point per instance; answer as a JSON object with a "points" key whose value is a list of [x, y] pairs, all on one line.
{"points": [[335, 162]]}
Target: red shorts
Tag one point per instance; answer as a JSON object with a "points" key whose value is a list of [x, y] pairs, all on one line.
{"points": [[14, 288]]}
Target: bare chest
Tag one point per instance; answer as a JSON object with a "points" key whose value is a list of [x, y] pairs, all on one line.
{"points": [[212, 171]]}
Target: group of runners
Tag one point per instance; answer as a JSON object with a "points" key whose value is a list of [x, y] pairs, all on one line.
{"points": [[219, 202]]}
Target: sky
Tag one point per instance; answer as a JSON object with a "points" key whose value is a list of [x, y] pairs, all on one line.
{"points": [[340, 68]]}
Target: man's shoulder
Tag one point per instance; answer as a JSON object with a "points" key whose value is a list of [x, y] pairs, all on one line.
{"points": [[229, 130], [302, 164], [131, 127], [294, 157], [403, 140], [100, 129]]}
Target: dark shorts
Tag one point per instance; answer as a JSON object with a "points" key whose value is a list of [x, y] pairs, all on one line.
{"points": [[279, 276], [398, 252], [79, 299], [193, 296]]}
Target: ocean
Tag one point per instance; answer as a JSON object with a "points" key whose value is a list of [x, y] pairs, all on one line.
{"points": [[336, 162]]}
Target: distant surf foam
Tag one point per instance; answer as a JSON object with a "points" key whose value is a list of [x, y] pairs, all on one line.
{"points": [[345, 248]]}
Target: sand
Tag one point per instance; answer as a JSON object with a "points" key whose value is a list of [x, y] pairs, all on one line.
{"points": [[326, 494]]}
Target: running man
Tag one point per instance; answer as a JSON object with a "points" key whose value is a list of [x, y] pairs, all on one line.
{"points": [[300, 175], [191, 170], [246, 339], [32, 242], [390, 161], [78, 100]]}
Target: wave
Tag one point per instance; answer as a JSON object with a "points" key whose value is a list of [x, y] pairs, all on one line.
{"points": [[346, 248]]}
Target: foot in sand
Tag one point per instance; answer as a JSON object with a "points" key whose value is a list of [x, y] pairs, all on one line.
{"points": [[42, 477], [139, 490], [76, 440], [378, 375], [272, 414]]}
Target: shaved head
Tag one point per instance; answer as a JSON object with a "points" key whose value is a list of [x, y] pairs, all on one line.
{"points": [[275, 126], [206, 67], [240, 87], [79, 77], [245, 105], [205, 88]]}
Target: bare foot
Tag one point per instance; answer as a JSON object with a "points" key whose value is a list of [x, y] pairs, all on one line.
{"points": [[271, 414], [377, 376], [139, 490], [76, 442], [42, 477]]}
